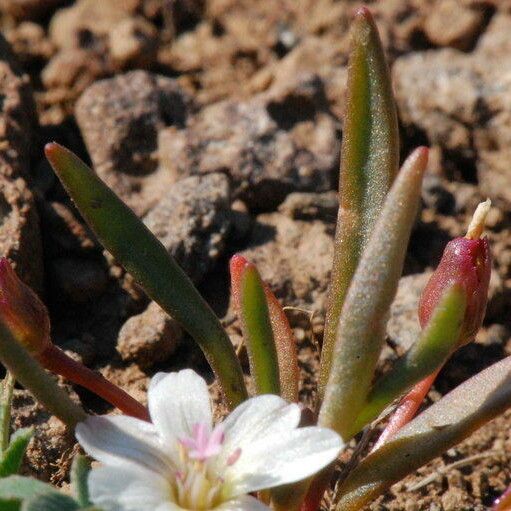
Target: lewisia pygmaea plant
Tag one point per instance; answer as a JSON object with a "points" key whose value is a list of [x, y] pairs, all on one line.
{"points": [[172, 457]]}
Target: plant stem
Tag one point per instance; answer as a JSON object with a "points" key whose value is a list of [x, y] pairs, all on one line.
{"points": [[55, 360], [5, 410]]}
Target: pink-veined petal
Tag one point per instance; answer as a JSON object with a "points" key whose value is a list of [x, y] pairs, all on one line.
{"points": [[178, 401]]}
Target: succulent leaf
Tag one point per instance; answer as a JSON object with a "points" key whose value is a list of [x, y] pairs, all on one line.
{"points": [[282, 334], [444, 424], [361, 328], [369, 163], [138, 250]]}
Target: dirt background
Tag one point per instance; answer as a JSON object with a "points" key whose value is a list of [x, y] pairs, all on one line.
{"points": [[219, 122]]}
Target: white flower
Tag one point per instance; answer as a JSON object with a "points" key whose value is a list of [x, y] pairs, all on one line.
{"points": [[179, 461]]}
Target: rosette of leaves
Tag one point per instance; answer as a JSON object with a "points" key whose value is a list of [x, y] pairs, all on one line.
{"points": [[378, 207]]}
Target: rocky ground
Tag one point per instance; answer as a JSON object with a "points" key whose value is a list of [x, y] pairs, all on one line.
{"points": [[219, 123]]}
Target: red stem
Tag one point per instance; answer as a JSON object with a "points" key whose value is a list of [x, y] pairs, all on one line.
{"points": [[317, 489], [407, 409], [56, 361]]}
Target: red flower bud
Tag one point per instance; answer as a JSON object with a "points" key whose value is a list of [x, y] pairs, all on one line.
{"points": [[22, 311], [466, 263]]}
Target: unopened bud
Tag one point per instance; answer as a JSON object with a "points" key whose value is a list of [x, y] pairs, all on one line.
{"points": [[466, 262], [22, 312]]}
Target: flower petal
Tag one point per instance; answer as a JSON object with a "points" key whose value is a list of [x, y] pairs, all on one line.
{"points": [[129, 489], [177, 401], [273, 460], [261, 415], [120, 439], [244, 503]]}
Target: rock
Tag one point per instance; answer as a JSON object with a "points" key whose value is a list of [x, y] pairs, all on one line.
{"points": [[149, 338], [192, 221], [88, 20], [436, 196], [17, 116], [467, 117], [311, 206], [450, 23], [133, 42], [294, 257], [79, 280], [403, 327], [445, 116], [20, 239], [119, 119], [29, 43], [270, 145], [74, 69], [28, 9]]}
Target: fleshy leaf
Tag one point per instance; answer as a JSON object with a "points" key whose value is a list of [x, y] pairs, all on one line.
{"points": [[138, 250], [282, 333], [257, 332], [361, 328], [10, 461], [79, 473], [18, 488], [5, 411], [438, 340], [50, 502], [444, 424], [369, 163]]}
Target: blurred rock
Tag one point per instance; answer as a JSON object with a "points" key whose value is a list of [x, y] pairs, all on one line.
{"points": [[88, 19], [17, 116], [311, 206], [72, 70], [149, 338], [468, 116], [192, 221], [119, 119], [270, 145], [452, 23], [79, 280], [30, 43], [133, 42], [293, 256], [29, 9], [20, 239]]}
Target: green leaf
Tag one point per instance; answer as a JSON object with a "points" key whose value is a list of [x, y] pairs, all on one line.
{"points": [[5, 410], [10, 462], [33, 377], [286, 348], [138, 250], [369, 163], [50, 502], [361, 328], [257, 332], [436, 343], [444, 424], [284, 340], [18, 488], [10, 504], [79, 473]]}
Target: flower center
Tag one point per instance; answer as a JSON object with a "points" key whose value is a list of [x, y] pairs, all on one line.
{"points": [[197, 484]]}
